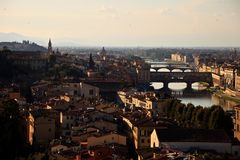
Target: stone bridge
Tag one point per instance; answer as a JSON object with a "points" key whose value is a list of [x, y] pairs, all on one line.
{"points": [[187, 77], [170, 66]]}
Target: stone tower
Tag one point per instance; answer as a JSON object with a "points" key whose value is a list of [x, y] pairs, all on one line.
{"points": [[91, 64], [50, 51], [103, 54]]}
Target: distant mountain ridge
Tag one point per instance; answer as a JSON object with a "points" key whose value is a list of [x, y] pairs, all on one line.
{"points": [[16, 37], [24, 46]]}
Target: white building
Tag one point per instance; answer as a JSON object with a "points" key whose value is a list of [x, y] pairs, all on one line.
{"points": [[178, 57], [89, 91]]}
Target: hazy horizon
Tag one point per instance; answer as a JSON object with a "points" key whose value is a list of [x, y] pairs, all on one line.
{"points": [[146, 23]]}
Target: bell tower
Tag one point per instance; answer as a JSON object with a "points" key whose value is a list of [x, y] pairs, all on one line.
{"points": [[50, 47]]}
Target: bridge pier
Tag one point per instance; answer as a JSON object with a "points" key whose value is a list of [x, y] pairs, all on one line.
{"points": [[189, 86], [165, 85]]}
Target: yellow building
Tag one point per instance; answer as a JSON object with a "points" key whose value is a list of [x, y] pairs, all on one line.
{"points": [[140, 131], [237, 82], [109, 138], [146, 100], [30, 128], [141, 134], [237, 122]]}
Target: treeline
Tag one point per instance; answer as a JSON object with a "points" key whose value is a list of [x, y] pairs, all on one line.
{"points": [[13, 142], [6, 67], [191, 116]]}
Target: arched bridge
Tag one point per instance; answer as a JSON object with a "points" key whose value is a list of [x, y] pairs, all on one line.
{"points": [[187, 77], [170, 66]]}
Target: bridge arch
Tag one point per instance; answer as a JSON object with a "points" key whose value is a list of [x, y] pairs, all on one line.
{"points": [[177, 85], [188, 70], [163, 70], [200, 85], [177, 70], [153, 70], [157, 85]]}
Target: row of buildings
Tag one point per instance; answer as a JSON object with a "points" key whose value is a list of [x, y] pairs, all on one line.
{"points": [[178, 57], [226, 75], [225, 71]]}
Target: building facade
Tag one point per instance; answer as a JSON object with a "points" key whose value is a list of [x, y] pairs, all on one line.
{"points": [[178, 57], [33, 60], [44, 129], [89, 91], [237, 122]]}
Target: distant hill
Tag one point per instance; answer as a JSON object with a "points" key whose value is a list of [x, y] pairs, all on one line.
{"points": [[56, 42], [24, 46]]}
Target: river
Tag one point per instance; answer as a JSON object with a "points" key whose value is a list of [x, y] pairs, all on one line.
{"points": [[199, 97]]}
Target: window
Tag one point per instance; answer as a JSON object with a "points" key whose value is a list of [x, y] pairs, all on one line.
{"points": [[75, 92], [148, 140], [142, 132], [149, 132], [91, 92]]}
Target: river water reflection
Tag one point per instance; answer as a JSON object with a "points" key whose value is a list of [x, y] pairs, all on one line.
{"points": [[198, 97]]}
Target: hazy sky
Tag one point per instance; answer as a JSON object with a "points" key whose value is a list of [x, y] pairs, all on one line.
{"points": [[126, 22]]}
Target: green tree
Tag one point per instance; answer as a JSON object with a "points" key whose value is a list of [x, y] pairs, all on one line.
{"points": [[228, 125], [216, 119], [12, 137], [206, 116], [174, 104], [183, 118], [6, 67], [189, 112], [179, 112], [194, 113], [199, 118]]}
